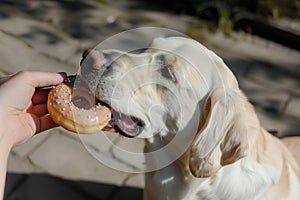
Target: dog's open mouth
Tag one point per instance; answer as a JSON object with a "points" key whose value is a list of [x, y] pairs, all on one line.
{"points": [[126, 125]]}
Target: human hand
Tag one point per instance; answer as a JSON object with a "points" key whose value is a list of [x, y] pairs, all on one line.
{"points": [[23, 109]]}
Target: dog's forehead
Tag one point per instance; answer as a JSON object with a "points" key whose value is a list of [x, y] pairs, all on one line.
{"points": [[170, 43], [164, 51], [186, 57]]}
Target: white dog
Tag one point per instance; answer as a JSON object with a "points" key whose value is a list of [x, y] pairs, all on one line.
{"points": [[157, 93]]}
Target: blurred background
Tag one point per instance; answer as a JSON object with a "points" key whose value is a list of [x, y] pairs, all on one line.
{"points": [[258, 39]]}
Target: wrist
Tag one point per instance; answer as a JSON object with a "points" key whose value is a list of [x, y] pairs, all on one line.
{"points": [[5, 148], [5, 143]]}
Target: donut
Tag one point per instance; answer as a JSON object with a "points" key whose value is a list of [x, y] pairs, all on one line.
{"points": [[86, 118]]}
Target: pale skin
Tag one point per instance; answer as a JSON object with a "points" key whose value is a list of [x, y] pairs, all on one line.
{"points": [[23, 111]]}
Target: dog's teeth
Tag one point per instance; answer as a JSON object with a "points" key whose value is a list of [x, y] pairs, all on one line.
{"points": [[109, 124]]}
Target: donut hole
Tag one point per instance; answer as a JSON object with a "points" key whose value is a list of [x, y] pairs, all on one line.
{"points": [[83, 98], [81, 102]]}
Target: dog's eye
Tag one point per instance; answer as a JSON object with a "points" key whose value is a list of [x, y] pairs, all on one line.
{"points": [[165, 62], [168, 73]]}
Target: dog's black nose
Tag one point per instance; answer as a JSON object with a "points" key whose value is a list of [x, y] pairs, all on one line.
{"points": [[95, 57]]}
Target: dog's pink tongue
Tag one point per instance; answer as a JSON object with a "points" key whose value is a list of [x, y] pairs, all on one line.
{"points": [[128, 123]]}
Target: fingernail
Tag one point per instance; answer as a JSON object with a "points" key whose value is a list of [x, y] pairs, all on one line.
{"points": [[63, 74]]}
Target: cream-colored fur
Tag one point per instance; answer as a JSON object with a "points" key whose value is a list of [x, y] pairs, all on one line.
{"points": [[231, 157]]}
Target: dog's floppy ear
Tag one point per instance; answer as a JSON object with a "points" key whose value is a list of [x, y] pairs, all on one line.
{"points": [[222, 138]]}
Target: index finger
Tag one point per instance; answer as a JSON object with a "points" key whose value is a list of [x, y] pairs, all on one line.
{"points": [[42, 79]]}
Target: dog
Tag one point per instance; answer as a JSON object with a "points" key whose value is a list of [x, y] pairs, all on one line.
{"points": [[157, 94]]}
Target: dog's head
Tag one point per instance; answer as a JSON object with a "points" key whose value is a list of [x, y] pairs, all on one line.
{"points": [[158, 90], [151, 92]]}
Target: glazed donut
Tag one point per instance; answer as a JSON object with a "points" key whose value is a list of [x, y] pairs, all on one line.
{"points": [[86, 119]]}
